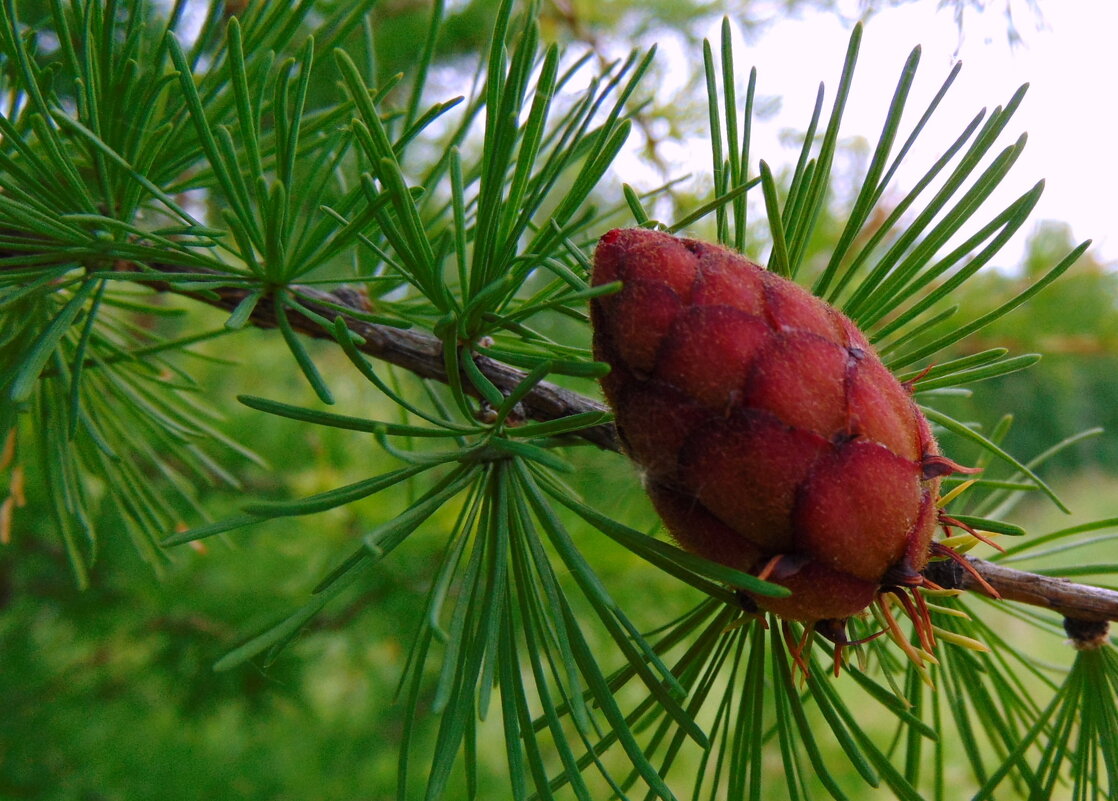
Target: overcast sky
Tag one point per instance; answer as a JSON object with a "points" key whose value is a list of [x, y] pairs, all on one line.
{"points": [[1069, 112]]}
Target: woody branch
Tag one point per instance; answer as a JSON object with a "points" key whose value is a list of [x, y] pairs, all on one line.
{"points": [[422, 354]]}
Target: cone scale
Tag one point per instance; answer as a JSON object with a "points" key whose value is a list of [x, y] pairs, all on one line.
{"points": [[770, 436]]}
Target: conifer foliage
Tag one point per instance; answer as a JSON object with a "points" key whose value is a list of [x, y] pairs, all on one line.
{"points": [[257, 160]]}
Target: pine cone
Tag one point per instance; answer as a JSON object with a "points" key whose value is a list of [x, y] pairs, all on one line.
{"points": [[771, 437]]}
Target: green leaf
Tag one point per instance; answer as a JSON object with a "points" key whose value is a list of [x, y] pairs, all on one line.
{"points": [[244, 310], [834, 709], [201, 532], [983, 373], [994, 526], [560, 426], [105, 150], [78, 363], [779, 259], [229, 183], [800, 226], [580, 369], [662, 554], [344, 421], [382, 539], [1019, 549], [291, 626], [486, 388], [965, 432], [719, 203], [36, 356], [331, 499], [633, 201], [295, 345], [247, 117], [872, 185], [533, 453], [954, 365]]}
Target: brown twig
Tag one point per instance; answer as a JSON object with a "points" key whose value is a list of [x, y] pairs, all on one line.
{"points": [[415, 351], [1076, 601], [422, 354]]}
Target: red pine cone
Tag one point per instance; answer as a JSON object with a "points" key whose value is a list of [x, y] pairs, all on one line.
{"points": [[771, 436]]}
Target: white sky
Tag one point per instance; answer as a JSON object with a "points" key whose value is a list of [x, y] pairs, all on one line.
{"points": [[1069, 112]]}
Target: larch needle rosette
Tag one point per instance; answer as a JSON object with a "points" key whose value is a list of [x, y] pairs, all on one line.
{"points": [[771, 437]]}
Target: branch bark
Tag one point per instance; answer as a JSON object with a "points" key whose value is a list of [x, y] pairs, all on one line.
{"points": [[422, 354], [416, 351], [1075, 601]]}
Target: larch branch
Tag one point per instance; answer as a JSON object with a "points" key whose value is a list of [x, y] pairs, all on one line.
{"points": [[422, 354]]}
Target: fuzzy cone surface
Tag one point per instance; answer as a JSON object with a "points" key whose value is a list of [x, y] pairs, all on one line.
{"points": [[771, 437]]}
